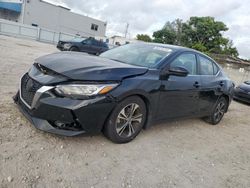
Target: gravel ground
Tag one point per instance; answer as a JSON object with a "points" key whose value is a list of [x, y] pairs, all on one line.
{"points": [[186, 153]]}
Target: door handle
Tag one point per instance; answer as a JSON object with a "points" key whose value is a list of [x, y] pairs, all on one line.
{"points": [[196, 84]]}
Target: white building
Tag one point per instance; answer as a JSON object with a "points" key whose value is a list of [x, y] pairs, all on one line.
{"points": [[119, 40], [52, 17]]}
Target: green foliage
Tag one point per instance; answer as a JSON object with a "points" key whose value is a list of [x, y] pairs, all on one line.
{"points": [[164, 36], [200, 33], [199, 46], [143, 37], [170, 33]]}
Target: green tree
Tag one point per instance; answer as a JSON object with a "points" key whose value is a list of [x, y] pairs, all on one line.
{"points": [[164, 36], [143, 37], [230, 50], [200, 33], [205, 31], [171, 33]]}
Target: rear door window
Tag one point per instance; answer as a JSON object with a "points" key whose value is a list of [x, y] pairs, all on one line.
{"points": [[88, 42], [207, 67]]}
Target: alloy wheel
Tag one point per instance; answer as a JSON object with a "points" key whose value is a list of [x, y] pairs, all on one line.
{"points": [[129, 120], [219, 111]]}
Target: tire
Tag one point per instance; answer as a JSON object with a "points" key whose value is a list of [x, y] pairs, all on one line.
{"points": [[218, 111], [97, 53], [75, 49], [123, 125]]}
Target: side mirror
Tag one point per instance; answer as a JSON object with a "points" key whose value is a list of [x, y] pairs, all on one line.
{"points": [[175, 71]]}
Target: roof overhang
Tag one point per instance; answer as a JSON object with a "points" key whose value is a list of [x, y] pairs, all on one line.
{"points": [[11, 5]]}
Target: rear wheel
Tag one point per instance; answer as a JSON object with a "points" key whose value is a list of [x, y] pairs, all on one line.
{"points": [[218, 111], [75, 49], [126, 120]]}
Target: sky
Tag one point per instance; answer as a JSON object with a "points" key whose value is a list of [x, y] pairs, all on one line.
{"points": [[147, 16]]}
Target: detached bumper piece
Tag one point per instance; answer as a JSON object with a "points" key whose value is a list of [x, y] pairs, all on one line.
{"points": [[62, 116]]}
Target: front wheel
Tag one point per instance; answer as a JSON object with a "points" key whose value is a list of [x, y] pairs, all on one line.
{"points": [[126, 120], [218, 111]]}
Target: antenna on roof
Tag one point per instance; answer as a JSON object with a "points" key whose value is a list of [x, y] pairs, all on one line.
{"points": [[126, 30]]}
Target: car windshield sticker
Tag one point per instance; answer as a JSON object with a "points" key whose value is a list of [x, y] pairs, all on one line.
{"points": [[162, 49]]}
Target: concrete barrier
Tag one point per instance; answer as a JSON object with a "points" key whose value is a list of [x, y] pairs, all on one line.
{"points": [[26, 31]]}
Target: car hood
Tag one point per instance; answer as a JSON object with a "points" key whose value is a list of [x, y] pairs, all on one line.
{"points": [[80, 66], [245, 86]]}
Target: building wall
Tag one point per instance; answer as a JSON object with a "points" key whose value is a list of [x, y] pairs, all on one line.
{"points": [[118, 40], [60, 19]]}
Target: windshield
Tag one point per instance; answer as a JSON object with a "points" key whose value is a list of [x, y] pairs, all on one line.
{"points": [[139, 54]]}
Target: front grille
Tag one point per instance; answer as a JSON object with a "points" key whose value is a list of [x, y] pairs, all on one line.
{"points": [[29, 88]]}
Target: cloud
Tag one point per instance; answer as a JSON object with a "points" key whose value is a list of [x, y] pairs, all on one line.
{"points": [[146, 16]]}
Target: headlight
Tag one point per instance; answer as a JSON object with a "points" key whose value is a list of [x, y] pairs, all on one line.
{"points": [[81, 90]]}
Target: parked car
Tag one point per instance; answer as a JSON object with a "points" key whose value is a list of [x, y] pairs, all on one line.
{"points": [[89, 45], [123, 90], [242, 92]]}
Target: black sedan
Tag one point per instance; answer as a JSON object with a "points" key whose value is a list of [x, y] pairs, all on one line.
{"points": [[123, 90], [242, 92], [89, 45]]}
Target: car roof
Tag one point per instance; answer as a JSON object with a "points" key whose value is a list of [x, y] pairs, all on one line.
{"points": [[173, 47]]}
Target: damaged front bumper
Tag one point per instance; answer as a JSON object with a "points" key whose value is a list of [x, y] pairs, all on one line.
{"points": [[65, 116]]}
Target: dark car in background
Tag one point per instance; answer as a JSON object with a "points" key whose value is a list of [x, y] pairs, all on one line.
{"points": [[89, 45], [123, 90], [242, 92]]}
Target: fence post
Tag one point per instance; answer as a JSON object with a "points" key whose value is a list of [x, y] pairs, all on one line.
{"points": [[59, 36], [38, 33], [54, 37], [19, 30]]}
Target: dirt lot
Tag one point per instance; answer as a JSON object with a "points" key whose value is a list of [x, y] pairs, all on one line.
{"points": [[187, 153]]}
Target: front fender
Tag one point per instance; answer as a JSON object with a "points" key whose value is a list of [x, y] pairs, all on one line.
{"points": [[147, 89]]}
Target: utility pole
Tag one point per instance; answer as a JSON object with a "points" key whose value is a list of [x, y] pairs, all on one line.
{"points": [[126, 30], [23, 11]]}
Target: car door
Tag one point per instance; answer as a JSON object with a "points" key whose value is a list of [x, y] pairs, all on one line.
{"points": [[179, 96], [95, 46], [211, 83], [103, 47], [87, 46]]}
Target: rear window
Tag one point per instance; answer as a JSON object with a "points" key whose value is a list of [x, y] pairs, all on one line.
{"points": [[207, 67], [216, 68]]}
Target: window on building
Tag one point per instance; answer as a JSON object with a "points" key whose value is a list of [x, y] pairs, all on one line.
{"points": [[35, 25], [94, 27]]}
